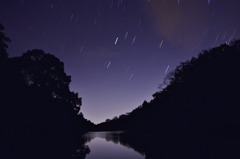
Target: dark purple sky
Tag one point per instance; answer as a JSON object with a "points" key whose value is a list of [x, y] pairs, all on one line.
{"points": [[118, 51]]}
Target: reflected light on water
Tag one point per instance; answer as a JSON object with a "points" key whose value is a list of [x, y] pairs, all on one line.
{"points": [[104, 145]]}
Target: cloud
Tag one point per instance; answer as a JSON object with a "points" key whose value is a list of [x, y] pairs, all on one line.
{"points": [[181, 24]]}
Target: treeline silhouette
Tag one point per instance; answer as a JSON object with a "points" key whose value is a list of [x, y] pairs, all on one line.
{"points": [[198, 104], [39, 113]]}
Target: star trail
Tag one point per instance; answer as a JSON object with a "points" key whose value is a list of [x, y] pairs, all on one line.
{"points": [[118, 51]]}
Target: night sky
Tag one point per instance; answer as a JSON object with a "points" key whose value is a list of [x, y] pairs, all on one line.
{"points": [[118, 51]]}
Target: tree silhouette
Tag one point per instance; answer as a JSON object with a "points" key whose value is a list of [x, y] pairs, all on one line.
{"points": [[46, 72], [3, 44], [200, 97], [39, 115]]}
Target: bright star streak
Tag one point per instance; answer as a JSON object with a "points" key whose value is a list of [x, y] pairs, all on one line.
{"points": [[116, 41], [109, 64], [167, 69]]}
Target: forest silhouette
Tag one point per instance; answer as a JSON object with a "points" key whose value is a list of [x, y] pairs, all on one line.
{"points": [[200, 92], [196, 109], [39, 113]]}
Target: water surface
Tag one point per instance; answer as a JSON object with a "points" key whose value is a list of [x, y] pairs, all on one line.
{"points": [[104, 145]]}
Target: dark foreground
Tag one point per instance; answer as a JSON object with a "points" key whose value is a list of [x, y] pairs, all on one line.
{"points": [[45, 144], [206, 145], [42, 145]]}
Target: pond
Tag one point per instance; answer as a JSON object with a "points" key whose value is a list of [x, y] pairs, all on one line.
{"points": [[109, 145]]}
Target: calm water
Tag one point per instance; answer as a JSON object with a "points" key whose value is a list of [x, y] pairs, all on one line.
{"points": [[119, 145], [108, 145]]}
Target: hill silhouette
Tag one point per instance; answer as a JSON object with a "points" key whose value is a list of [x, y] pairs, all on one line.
{"points": [[40, 116], [197, 103], [203, 89], [195, 114]]}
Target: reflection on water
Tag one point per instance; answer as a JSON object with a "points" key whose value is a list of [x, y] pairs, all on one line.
{"points": [[109, 145], [108, 136], [118, 145]]}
